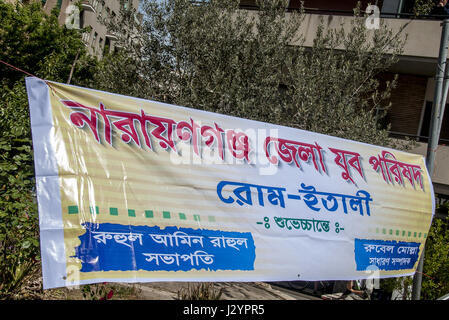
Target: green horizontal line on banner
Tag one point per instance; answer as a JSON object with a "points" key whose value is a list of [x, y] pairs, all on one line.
{"points": [[147, 213], [403, 233]]}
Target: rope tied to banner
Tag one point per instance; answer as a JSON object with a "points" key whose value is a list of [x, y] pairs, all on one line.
{"points": [[26, 72]]}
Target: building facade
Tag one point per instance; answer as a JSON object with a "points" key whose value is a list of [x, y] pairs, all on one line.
{"points": [[412, 99]]}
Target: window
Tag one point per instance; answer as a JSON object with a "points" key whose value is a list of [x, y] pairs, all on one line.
{"points": [[94, 39]]}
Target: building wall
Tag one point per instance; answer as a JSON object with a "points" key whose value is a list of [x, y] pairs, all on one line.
{"points": [[423, 36]]}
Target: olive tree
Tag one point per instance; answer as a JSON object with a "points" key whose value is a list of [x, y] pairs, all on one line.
{"points": [[214, 56]]}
